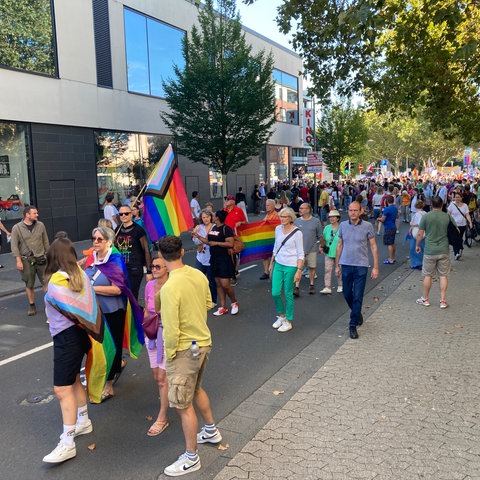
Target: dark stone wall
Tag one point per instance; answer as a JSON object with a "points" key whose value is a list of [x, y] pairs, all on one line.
{"points": [[65, 179]]}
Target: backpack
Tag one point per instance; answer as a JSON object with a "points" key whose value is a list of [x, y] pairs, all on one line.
{"points": [[472, 203]]}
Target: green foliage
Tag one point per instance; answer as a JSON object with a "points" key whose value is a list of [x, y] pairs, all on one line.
{"points": [[341, 135], [407, 142], [222, 104], [26, 35], [399, 54]]}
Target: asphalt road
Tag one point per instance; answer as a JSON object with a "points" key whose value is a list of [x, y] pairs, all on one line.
{"points": [[246, 352]]}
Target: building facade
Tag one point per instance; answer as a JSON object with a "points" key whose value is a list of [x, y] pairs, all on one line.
{"points": [[80, 101]]}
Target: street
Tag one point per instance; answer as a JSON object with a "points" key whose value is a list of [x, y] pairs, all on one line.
{"points": [[246, 353]]}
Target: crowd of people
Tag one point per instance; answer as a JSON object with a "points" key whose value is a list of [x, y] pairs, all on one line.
{"points": [[177, 297]]}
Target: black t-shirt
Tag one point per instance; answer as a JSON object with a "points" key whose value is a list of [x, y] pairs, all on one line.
{"points": [[240, 197], [128, 244], [219, 234]]}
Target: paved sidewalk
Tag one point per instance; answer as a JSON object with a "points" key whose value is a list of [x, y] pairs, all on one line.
{"points": [[401, 402]]}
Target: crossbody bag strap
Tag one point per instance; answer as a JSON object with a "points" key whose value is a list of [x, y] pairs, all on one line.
{"points": [[286, 238], [460, 211]]}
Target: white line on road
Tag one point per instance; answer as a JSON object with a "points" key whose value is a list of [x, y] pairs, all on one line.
{"points": [[25, 354], [247, 268]]}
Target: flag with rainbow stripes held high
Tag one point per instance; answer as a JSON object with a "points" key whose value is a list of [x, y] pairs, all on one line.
{"points": [[258, 238], [166, 206]]}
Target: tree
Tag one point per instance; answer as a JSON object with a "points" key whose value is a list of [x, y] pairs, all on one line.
{"points": [[222, 104], [341, 134], [397, 53]]}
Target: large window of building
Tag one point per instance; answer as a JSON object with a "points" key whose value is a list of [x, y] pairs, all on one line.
{"points": [[286, 95], [14, 184], [152, 48], [27, 39], [216, 183], [125, 161], [278, 161]]}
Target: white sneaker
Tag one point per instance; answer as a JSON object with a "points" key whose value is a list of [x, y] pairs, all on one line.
{"points": [[183, 466], [204, 437], [234, 309], [339, 289], [61, 453], [278, 322], [82, 429], [326, 291], [285, 327], [308, 275]]}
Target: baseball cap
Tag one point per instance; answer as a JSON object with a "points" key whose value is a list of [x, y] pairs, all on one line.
{"points": [[229, 197]]}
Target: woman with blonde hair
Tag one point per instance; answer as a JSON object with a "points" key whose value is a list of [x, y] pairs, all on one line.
{"points": [[286, 267]]}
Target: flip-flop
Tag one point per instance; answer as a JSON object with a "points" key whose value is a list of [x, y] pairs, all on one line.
{"points": [[157, 428], [107, 396]]}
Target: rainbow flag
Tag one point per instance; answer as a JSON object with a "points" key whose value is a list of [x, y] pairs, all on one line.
{"points": [[115, 270], [98, 365], [259, 238], [166, 207]]}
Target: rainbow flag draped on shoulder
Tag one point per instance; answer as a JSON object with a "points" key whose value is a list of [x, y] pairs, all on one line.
{"points": [[258, 238], [115, 270], [166, 207], [83, 309]]}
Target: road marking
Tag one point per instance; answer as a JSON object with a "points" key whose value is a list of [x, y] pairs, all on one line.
{"points": [[246, 268], [26, 354]]}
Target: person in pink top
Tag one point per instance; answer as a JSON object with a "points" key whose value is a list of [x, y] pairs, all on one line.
{"points": [[156, 354]]}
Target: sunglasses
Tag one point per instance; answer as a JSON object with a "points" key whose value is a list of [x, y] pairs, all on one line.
{"points": [[124, 214], [98, 239], [157, 267]]}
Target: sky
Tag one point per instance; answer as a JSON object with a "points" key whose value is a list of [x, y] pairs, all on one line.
{"points": [[261, 17]]}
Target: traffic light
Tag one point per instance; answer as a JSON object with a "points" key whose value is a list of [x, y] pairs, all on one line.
{"points": [[347, 167], [352, 166]]}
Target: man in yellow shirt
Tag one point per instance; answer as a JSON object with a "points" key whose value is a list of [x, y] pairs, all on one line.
{"points": [[185, 299]]}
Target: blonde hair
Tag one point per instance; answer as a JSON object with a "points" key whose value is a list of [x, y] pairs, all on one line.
{"points": [[289, 212]]}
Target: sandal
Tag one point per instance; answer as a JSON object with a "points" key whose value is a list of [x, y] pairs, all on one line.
{"points": [[387, 261], [157, 428], [117, 375], [107, 396]]}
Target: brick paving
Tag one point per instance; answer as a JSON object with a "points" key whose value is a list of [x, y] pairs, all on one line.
{"points": [[401, 402]]}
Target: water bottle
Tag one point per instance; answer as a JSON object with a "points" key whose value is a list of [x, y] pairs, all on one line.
{"points": [[194, 348]]}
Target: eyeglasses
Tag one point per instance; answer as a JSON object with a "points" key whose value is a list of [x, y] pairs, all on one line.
{"points": [[284, 216], [98, 239], [157, 267], [124, 214]]}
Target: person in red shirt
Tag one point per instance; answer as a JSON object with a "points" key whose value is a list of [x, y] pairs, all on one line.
{"points": [[235, 217]]}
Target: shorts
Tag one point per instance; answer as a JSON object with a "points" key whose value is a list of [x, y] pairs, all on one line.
{"points": [[323, 213], [377, 212], [436, 263], [222, 266], [30, 271], [154, 353], [389, 236], [311, 260], [184, 376], [69, 348]]}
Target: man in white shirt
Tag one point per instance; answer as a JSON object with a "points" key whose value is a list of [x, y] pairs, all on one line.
{"points": [[195, 207], [110, 211]]}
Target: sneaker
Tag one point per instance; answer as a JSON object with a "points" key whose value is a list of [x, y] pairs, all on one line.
{"points": [[32, 310], [339, 289], [443, 304], [205, 437], [278, 322], [326, 291], [423, 301], [457, 256], [296, 292], [61, 453], [305, 271], [308, 275], [220, 311], [234, 309], [183, 466], [82, 429], [285, 326], [265, 276], [233, 282], [311, 289]]}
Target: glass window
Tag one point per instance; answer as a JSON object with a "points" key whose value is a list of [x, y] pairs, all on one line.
{"points": [[152, 48], [14, 184], [216, 184], [27, 38], [278, 161], [125, 161], [286, 94]]}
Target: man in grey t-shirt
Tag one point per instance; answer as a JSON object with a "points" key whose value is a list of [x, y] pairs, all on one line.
{"points": [[352, 261], [312, 231]]}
